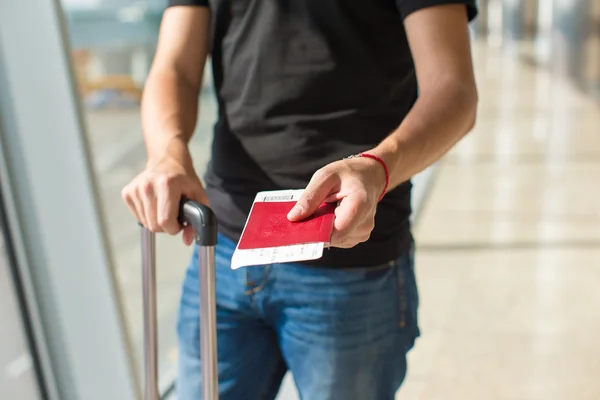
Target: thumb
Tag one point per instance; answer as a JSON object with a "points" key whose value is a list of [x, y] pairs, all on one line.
{"points": [[188, 235], [318, 190]]}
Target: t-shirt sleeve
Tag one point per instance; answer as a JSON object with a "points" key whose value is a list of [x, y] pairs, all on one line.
{"points": [[408, 6], [187, 3]]}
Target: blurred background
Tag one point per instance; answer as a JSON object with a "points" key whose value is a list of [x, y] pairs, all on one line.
{"points": [[507, 225]]}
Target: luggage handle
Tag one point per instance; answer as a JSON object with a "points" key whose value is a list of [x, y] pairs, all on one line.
{"points": [[204, 223]]}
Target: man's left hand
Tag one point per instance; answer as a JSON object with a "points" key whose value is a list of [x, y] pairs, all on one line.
{"points": [[356, 184]]}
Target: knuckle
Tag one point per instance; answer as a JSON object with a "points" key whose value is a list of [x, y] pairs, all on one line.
{"points": [[370, 225], [163, 220], [348, 244], [125, 195], [146, 187], [164, 181], [168, 223], [323, 174], [319, 174], [154, 226]]}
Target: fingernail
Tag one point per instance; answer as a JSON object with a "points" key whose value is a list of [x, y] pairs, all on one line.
{"points": [[295, 212]]}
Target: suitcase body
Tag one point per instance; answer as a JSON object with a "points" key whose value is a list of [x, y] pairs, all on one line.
{"points": [[204, 223]]}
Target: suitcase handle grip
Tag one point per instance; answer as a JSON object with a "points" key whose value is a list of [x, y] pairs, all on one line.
{"points": [[202, 219]]}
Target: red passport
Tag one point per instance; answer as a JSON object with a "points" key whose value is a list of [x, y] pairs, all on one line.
{"points": [[268, 226]]}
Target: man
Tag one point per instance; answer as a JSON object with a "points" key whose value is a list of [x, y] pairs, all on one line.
{"points": [[301, 85]]}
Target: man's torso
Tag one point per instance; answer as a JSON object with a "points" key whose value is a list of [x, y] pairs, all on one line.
{"points": [[301, 84]]}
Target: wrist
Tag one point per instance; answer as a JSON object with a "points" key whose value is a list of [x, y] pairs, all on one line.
{"points": [[174, 150], [391, 153], [382, 167], [377, 176]]}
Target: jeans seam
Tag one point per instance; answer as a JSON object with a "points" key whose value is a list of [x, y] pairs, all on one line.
{"points": [[260, 287], [402, 296]]}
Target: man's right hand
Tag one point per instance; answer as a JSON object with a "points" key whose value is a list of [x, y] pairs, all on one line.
{"points": [[154, 195]]}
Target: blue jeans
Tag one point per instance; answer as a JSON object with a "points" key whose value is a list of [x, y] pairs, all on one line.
{"points": [[343, 333]]}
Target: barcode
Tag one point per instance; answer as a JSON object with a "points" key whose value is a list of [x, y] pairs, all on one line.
{"points": [[279, 198]]}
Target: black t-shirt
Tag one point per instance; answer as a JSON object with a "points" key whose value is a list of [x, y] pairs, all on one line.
{"points": [[303, 83]]}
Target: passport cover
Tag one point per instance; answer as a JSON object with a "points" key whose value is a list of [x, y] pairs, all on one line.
{"points": [[268, 226]]}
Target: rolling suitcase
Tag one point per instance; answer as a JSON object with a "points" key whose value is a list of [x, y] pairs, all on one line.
{"points": [[204, 223]]}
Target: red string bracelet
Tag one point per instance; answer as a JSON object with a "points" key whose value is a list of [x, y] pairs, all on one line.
{"points": [[385, 168]]}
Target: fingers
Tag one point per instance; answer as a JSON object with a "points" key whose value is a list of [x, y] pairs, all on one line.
{"points": [[354, 221], [188, 235], [148, 199], [132, 204], [347, 213], [167, 206], [360, 235], [317, 191], [135, 203], [154, 200], [354, 216], [198, 194], [140, 197], [350, 242]]}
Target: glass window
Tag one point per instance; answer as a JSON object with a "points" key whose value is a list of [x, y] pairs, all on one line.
{"points": [[112, 43], [17, 375]]}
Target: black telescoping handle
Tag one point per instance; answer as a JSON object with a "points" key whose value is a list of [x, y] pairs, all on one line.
{"points": [[202, 219], [204, 223]]}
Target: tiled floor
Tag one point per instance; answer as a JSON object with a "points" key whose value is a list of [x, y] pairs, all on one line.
{"points": [[509, 247]]}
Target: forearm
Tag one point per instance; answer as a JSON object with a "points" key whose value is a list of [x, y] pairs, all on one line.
{"points": [[169, 112], [438, 120]]}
